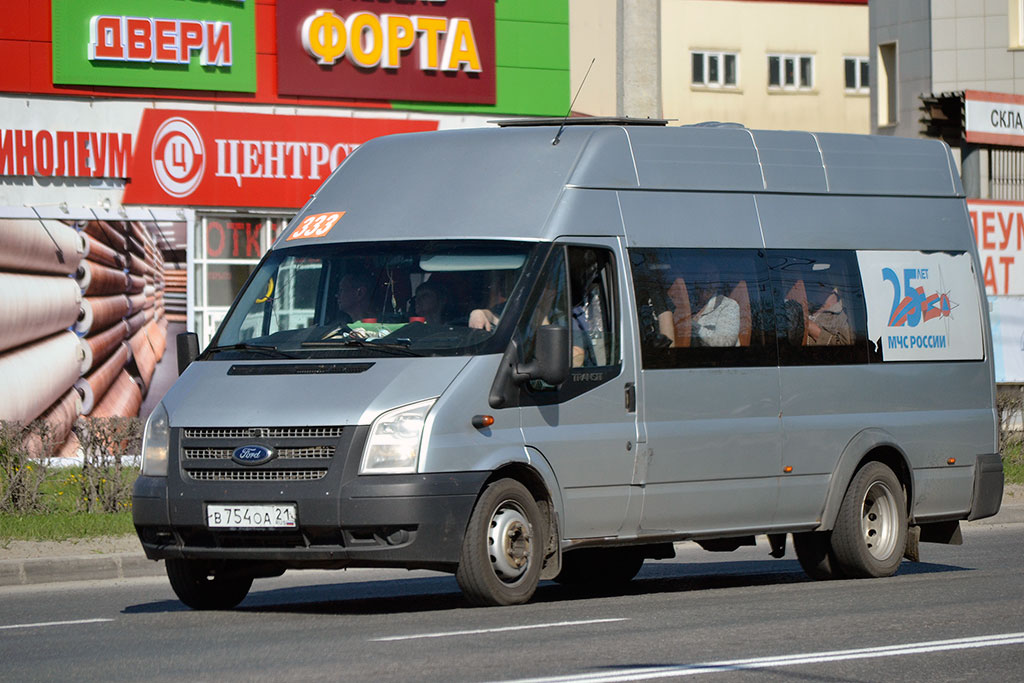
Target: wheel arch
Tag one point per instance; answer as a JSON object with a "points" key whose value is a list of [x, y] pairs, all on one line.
{"points": [[869, 445], [534, 473]]}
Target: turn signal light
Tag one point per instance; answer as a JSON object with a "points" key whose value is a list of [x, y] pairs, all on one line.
{"points": [[951, 461], [482, 421], [787, 469]]}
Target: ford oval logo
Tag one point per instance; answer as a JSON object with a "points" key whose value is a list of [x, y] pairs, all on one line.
{"points": [[252, 455]]}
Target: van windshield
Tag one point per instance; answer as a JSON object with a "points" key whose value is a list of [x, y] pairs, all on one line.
{"points": [[416, 298]]}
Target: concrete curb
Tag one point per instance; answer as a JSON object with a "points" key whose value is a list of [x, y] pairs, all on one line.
{"points": [[36, 570], [40, 570]]}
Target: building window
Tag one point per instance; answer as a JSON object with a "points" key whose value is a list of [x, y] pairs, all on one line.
{"points": [[715, 69], [888, 102], [790, 72], [1015, 16], [856, 70]]}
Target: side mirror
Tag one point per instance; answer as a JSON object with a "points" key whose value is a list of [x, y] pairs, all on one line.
{"points": [[188, 349], [551, 357]]}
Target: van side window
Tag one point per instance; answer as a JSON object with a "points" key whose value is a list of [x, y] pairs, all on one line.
{"points": [[578, 290], [819, 305], [594, 312], [703, 308]]}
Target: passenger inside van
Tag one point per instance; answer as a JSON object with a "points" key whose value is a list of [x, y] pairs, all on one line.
{"points": [[353, 296], [829, 325], [718, 321], [431, 303]]}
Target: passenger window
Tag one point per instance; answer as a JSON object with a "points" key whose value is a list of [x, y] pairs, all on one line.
{"points": [[703, 308], [583, 298], [594, 325], [820, 315]]}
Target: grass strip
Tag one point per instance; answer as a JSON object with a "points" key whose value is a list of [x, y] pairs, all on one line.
{"points": [[61, 526]]}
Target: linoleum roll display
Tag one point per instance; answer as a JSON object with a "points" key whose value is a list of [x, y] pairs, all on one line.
{"points": [[35, 306], [105, 232], [100, 312], [123, 398], [101, 345], [96, 279], [100, 252], [95, 385], [42, 372], [40, 247], [145, 359]]}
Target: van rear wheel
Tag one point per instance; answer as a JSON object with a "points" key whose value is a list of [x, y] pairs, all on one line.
{"points": [[206, 585], [814, 551], [870, 533], [502, 551]]}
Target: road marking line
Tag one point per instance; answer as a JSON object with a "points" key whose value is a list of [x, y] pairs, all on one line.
{"points": [[503, 629], [644, 674], [55, 623]]}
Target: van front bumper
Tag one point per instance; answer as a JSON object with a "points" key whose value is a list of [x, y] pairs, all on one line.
{"points": [[411, 521]]}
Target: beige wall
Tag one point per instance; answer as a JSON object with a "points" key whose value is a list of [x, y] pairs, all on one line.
{"points": [[593, 36], [830, 32]]}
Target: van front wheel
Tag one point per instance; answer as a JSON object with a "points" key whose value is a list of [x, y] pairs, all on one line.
{"points": [[204, 585], [870, 533], [502, 551]]}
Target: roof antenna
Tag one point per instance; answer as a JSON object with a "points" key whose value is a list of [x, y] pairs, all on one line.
{"points": [[562, 127]]}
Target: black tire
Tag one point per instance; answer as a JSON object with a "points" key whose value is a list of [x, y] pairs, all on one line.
{"points": [[814, 551], [503, 549], [600, 567], [870, 533], [204, 585]]}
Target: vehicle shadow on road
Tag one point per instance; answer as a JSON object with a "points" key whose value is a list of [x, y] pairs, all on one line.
{"points": [[438, 593]]}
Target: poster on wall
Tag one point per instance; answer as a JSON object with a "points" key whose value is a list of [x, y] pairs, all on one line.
{"points": [[362, 49], [999, 234], [1006, 314], [922, 306]]}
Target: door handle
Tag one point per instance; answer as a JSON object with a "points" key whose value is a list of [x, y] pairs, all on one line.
{"points": [[630, 397]]}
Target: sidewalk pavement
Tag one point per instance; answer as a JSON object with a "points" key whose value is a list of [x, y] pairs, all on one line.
{"points": [[59, 566]]}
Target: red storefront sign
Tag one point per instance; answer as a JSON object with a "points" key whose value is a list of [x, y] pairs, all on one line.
{"points": [[79, 154], [211, 158], [426, 51]]}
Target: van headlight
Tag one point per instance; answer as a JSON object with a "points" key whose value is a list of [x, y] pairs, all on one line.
{"points": [[156, 441], [393, 446]]}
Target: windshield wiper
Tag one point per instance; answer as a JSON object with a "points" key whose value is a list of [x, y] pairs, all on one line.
{"points": [[399, 349], [271, 351]]}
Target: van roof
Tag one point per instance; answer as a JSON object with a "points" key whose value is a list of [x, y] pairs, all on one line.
{"points": [[506, 181]]}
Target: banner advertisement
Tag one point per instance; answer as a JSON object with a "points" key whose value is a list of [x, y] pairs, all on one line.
{"points": [[217, 158], [999, 234], [185, 44], [428, 51], [1006, 314], [922, 306]]}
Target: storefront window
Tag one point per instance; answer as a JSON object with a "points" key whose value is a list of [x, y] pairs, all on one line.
{"points": [[226, 249]]}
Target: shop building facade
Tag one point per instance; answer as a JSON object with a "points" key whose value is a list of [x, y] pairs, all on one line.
{"points": [[199, 127], [954, 70], [786, 64]]}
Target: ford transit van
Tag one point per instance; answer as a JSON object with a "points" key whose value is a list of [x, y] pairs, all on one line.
{"points": [[540, 351]]}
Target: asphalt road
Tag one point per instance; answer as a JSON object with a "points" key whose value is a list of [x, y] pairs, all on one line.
{"points": [[958, 615]]}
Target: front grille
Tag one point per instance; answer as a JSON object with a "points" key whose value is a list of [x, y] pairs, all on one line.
{"points": [[302, 454], [257, 475], [264, 432], [312, 452]]}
